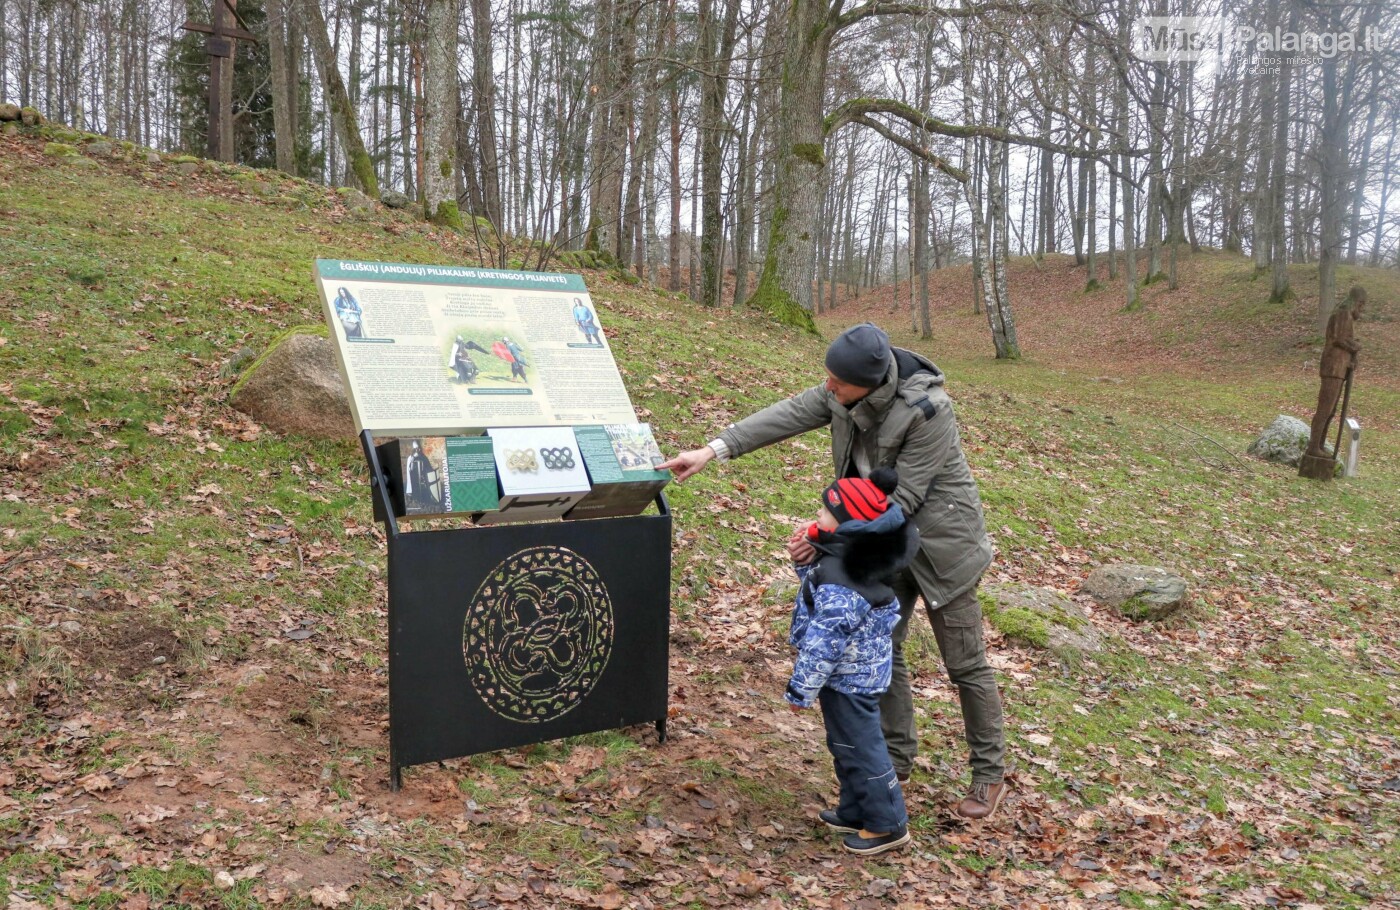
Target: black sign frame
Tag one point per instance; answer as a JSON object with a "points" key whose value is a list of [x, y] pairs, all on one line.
{"points": [[447, 587]]}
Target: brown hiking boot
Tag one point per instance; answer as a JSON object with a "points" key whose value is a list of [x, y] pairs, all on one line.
{"points": [[981, 801]]}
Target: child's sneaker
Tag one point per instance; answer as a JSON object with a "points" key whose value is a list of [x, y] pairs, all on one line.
{"points": [[837, 823], [869, 846]]}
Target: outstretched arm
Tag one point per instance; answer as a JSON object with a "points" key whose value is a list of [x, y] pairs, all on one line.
{"points": [[688, 464]]}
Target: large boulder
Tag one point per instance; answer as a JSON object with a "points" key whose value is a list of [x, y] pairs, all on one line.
{"points": [[1041, 617], [9, 112], [394, 199], [296, 388], [355, 200], [1140, 593], [1282, 442]]}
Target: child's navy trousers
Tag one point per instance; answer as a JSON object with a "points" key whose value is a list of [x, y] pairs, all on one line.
{"points": [[870, 792]]}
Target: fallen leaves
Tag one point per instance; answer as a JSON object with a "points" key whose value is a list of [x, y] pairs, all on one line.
{"points": [[329, 896]]}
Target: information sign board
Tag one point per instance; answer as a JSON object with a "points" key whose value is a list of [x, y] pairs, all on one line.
{"points": [[441, 350]]}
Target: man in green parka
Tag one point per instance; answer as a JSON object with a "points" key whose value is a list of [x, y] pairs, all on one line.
{"points": [[887, 408]]}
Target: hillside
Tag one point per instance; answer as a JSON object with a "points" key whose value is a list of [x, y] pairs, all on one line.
{"points": [[192, 614]]}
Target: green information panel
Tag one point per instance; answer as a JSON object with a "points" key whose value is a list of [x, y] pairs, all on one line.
{"points": [[621, 460], [441, 475]]}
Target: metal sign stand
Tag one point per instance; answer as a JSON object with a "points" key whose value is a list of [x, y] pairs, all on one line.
{"points": [[515, 634]]}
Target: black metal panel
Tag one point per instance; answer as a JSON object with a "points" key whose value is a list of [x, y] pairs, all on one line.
{"points": [[586, 604]]}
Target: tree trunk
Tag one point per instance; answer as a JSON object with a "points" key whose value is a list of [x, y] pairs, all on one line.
{"points": [[743, 216], [918, 231], [440, 110], [673, 283], [615, 56], [1277, 205], [1125, 166], [716, 43], [1363, 164], [639, 193], [1389, 160], [484, 103], [1338, 83], [999, 304], [785, 280], [1157, 141], [342, 113], [283, 93]]}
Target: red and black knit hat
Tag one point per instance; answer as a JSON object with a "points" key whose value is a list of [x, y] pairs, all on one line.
{"points": [[854, 498]]}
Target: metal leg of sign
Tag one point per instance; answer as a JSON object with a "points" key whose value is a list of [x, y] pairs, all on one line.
{"points": [[384, 511], [379, 486], [664, 509]]}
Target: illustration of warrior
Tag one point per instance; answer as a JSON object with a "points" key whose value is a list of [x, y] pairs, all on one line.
{"points": [[461, 363]]}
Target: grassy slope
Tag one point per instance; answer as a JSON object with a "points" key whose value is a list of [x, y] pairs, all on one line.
{"points": [[1238, 755]]}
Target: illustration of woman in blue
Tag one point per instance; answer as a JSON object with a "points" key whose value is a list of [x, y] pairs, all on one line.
{"points": [[347, 308]]}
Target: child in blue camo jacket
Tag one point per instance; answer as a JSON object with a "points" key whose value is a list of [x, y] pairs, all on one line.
{"points": [[841, 627]]}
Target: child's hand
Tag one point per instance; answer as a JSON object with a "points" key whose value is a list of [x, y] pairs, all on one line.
{"points": [[799, 545]]}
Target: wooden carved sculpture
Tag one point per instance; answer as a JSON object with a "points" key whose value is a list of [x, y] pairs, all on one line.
{"points": [[1338, 363]]}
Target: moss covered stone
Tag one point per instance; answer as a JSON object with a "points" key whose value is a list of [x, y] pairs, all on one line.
{"points": [[1040, 617], [1023, 625], [60, 150], [1140, 593], [310, 329], [578, 259]]}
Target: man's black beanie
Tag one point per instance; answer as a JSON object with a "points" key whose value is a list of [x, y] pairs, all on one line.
{"points": [[860, 355]]}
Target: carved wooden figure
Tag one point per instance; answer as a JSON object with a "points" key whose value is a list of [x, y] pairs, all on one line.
{"points": [[1338, 362]]}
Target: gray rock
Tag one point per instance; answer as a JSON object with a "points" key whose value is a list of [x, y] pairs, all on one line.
{"points": [[100, 147], [186, 168], [1042, 617], [1140, 593], [357, 201], [297, 389], [9, 129], [9, 112], [1282, 442], [153, 157], [30, 117], [394, 199], [70, 627]]}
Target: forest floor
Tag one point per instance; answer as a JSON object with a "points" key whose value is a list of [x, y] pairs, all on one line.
{"points": [[192, 609]]}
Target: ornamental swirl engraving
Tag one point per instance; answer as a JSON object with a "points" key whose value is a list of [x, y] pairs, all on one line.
{"points": [[538, 634]]}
